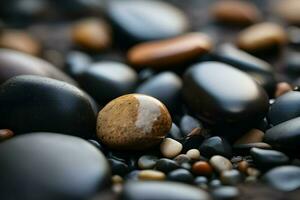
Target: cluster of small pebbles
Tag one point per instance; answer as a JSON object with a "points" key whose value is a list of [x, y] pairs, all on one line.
{"points": [[152, 100]]}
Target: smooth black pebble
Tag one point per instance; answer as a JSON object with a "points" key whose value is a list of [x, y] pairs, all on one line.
{"points": [[216, 146]]}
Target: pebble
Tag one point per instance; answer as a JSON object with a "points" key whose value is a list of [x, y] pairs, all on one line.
{"points": [[120, 78], [5, 134], [175, 132], [151, 175], [284, 178], [166, 87], [289, 10], [216, 146], [68, 109], [181, 175], [226, 193], [166, 165], [118, 166], [238, 103], [188, 124], [147, 161], [87, 173], [193, 154], [92, 33], [170, 52], [284, 108], [262, 36], [245, 13], [282, 88], [243, 149], [243, 166], [252, 136], [231, 177], [76, 62], [170, 148], [220, 163], [182, 158], [215, 183], [285, 135], [201, 181], [202, 168], [133, 122], [136, 21], [14, 63], [20, 41], [267, 159], [116, 179], [155, 190]]}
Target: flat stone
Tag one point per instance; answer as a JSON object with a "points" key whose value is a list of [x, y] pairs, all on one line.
{"points": [[181, 175], [151, 175], [220, 163], [147, 161]]}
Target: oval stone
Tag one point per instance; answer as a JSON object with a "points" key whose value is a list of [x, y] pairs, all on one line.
{"points": [[162, 190], [146, 20], [43, 166], [284, 178], [285, 135], [14, 63], [284, 108], [118, 77], [33, 103], [224, 96]]}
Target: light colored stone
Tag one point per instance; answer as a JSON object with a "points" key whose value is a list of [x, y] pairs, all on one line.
{"points": [[193, 154], [170, 148], [151, 175], [220, 163]]}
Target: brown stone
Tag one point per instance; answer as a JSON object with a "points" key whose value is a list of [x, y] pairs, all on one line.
{"points": [[170, 52], [151, 175], [133, 122], [282, 88], [253, 136], [236, 12], [289, 10], [243, 166], [202, 168], [20, 41], [263, 36], [92, 33], [5, 134]]}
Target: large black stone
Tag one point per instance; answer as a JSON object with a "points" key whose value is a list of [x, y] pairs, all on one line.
{"points": [[51, 166], [224, 96], [33, 104], [141, 20]]}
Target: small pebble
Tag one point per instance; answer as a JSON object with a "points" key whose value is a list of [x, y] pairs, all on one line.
{"points": [[133, 122], [166, 165], [151, 175], [216, 146], [193, 154], [181, 175], [5, 134], [226, 193], [116, 179], [282, 88], [147, 162], [170, 148], [220, 163], [243, 166], [202, 168], [182, 158], [231, 177]]}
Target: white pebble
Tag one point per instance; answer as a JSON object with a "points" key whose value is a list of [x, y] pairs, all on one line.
{"points": [[170, 148], [193, 154]]}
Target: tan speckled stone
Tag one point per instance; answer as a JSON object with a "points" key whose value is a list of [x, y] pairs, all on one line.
{"points": [[133, 122], [169, 52], [151, 175], [261, 36], [92, 33]]}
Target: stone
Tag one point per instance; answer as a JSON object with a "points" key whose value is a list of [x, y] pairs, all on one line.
{"points": [[169, 52], [76, 62], [220, 163], [175, 132], [5, 134], [188, 124], [193, 154], [237, 104], [133, 122], [285, 135], [225, 193], [137, 21], [243, 166], [285, 178], [244, 149], [68, 176], [118, 166], [119, 77], [202, 168], [284, 108], [289, 11], [151, 175], [14, 63], [215, 146], [261, 36], [155, 190], [166, 87], [166, 165], [265, 159], [20, 41], [170, 148], [33, 104], [252, 136], [181, 175], [231, 177], [147, 161], [181, 159], [92, 33], [245, 13]]}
